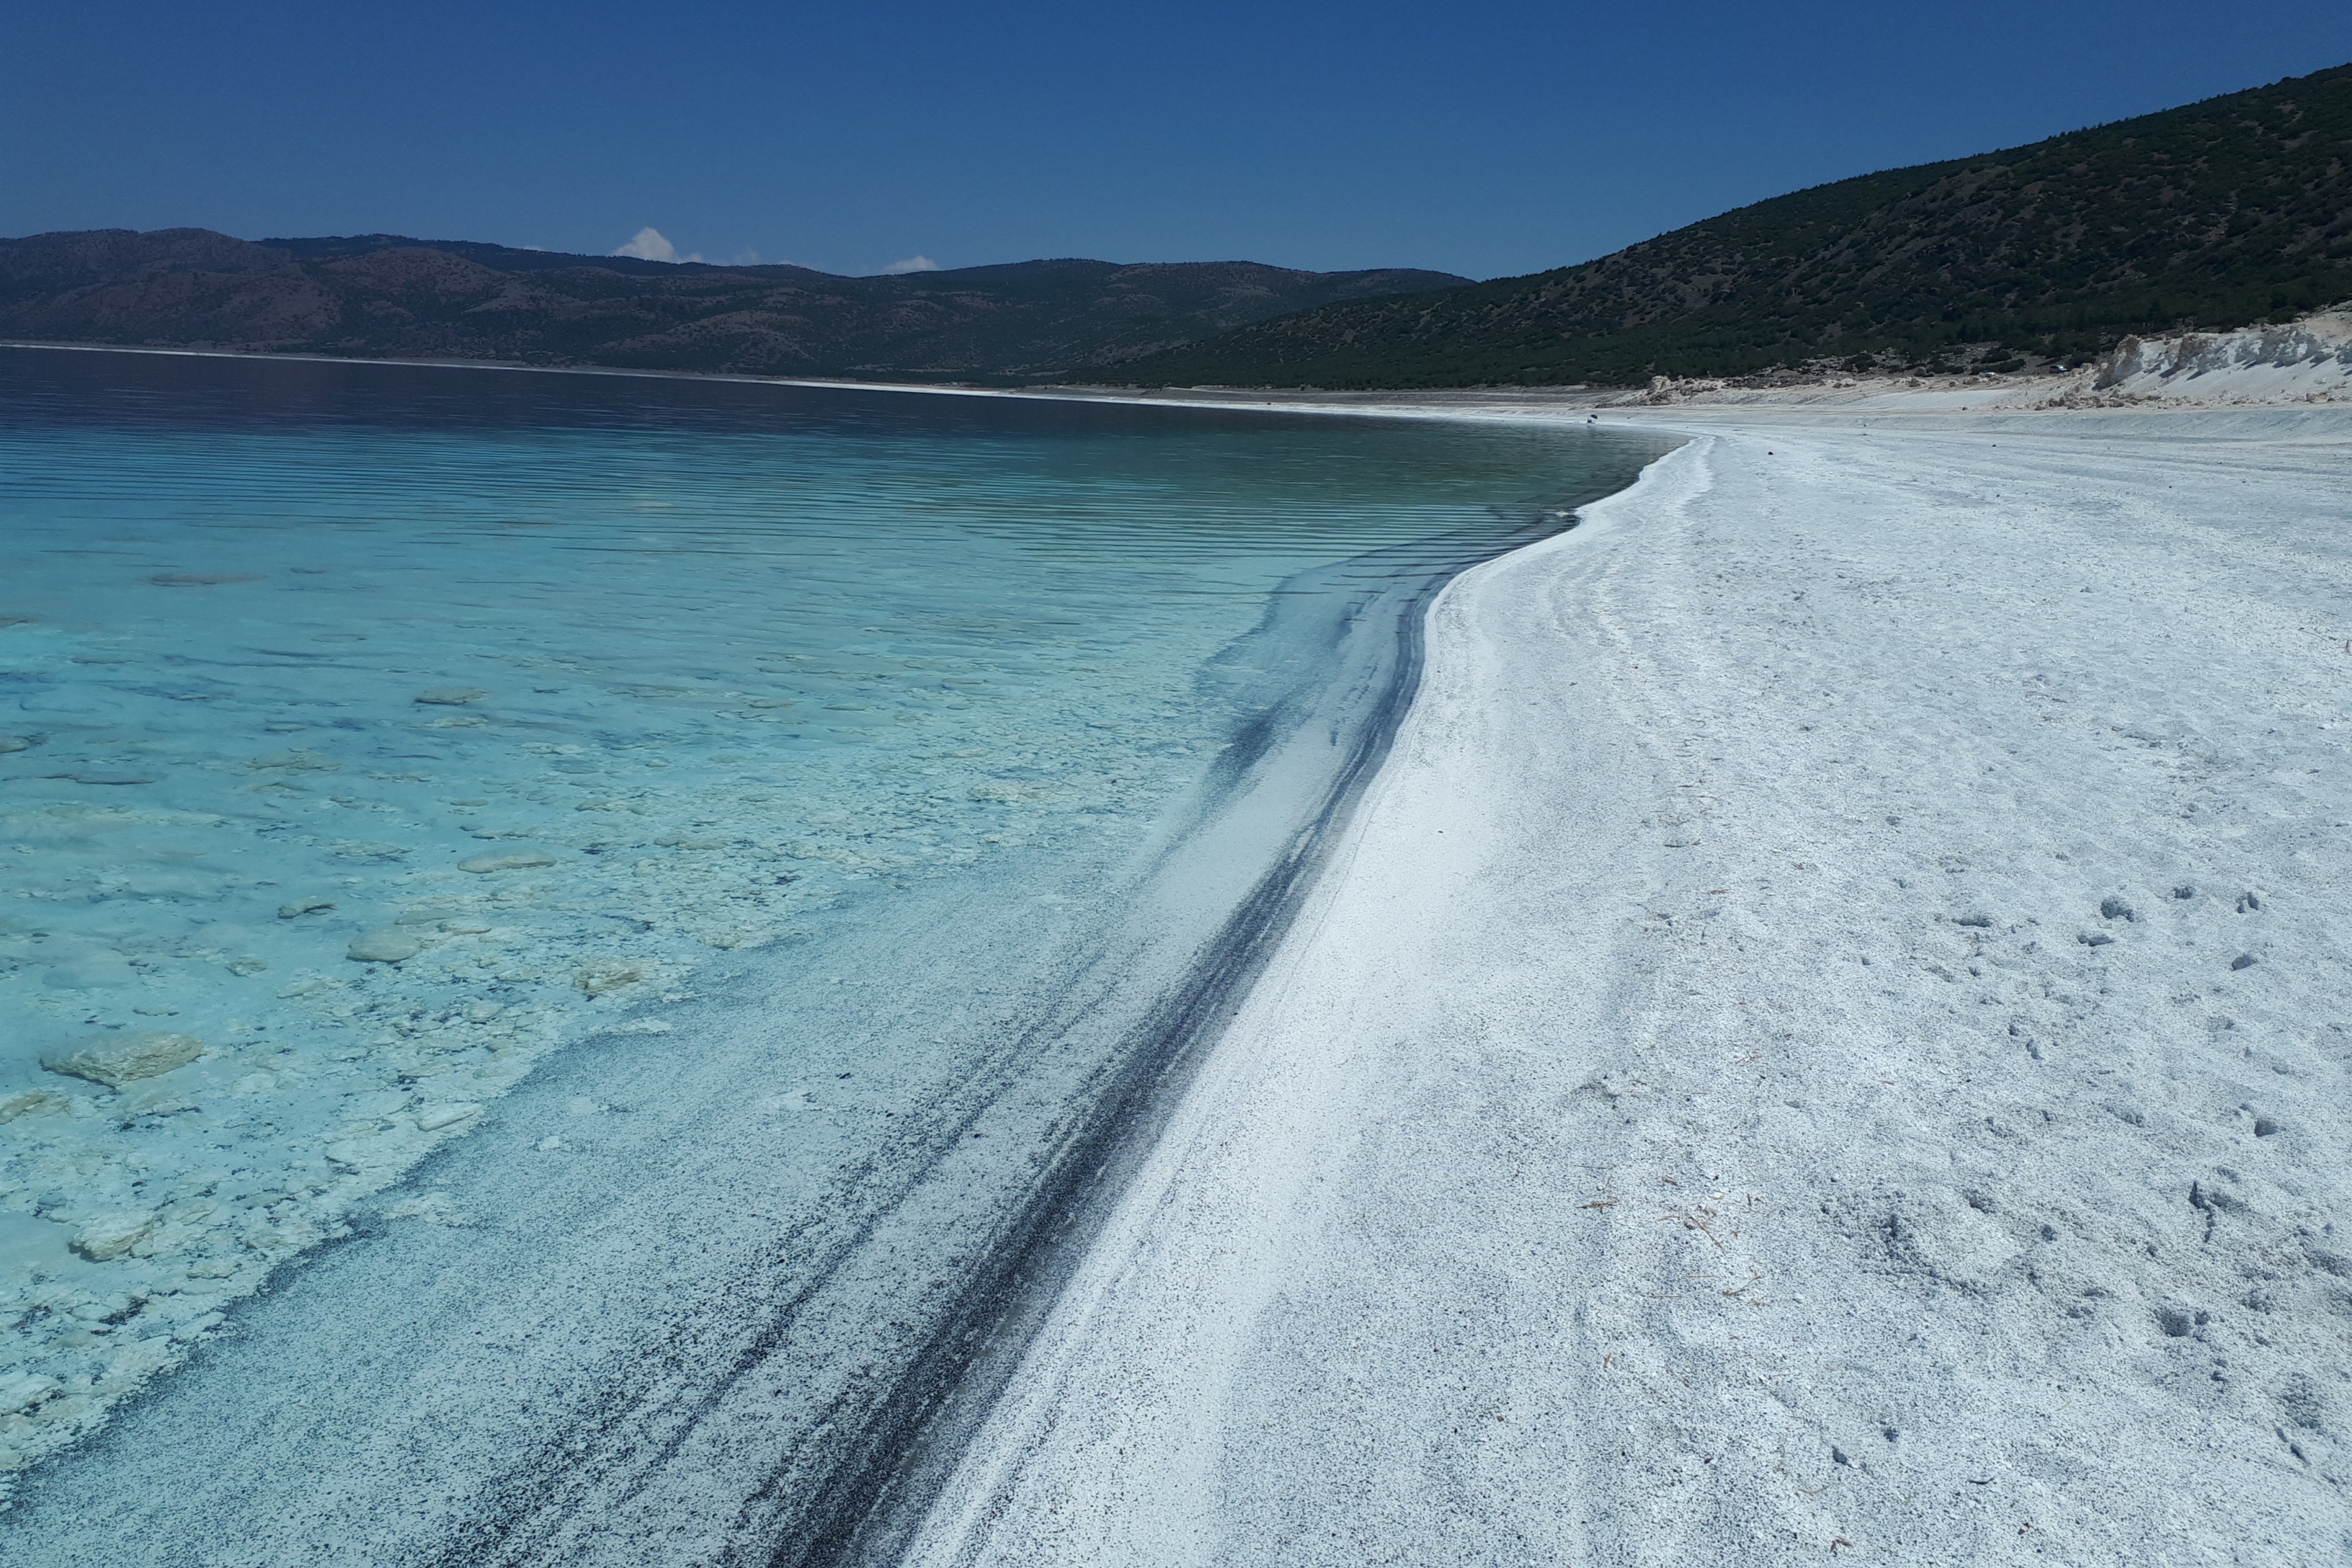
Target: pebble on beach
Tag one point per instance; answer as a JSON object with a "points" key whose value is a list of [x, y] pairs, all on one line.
{"points": [[116, 1059]]}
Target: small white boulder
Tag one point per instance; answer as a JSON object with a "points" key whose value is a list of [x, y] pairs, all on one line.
{"points": [[607, 974], [116, 1059], [113, 1235], [390, 945]]}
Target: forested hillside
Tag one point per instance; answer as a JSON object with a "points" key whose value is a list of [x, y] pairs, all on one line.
{"points": [[2227, 212]]}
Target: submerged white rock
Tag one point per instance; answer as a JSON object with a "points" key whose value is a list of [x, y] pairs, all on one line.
{"points": [[387, 946], [116, 1059], [523, 862], [30, 1102], [113, 1235], [610, 974]]}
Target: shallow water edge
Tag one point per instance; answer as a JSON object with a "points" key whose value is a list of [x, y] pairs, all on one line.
{"points": [[869, 1508], [685, 1307]]}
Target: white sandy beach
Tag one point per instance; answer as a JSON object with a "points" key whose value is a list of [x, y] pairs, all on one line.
{"points": [[1827, 1039]]}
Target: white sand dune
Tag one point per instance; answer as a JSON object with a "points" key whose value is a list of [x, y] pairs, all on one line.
{"points": [[1828, 1038]]}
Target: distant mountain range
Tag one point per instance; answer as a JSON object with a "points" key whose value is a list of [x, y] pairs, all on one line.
{"points": [[387, 296], [2224, 214]]}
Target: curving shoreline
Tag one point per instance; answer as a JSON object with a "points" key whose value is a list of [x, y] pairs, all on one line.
{"points": [[1697, 1103], [693, 1302], [1284, 799], [1769, 1071]]}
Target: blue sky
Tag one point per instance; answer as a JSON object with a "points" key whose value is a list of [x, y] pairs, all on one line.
{"points": [[1481, 138]]}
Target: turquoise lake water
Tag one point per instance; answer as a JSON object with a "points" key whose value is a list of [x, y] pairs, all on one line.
{"points": [[370, 736]]}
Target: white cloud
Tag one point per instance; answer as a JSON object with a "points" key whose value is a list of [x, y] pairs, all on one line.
{"points": [[912, 264], [651, 245]]}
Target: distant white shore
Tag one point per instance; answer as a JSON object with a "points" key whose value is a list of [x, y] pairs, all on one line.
{"points": [[2306, 362], [517, 365], [1827, 1038]]}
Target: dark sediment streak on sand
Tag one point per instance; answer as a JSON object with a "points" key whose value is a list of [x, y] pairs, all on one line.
{"points": [[865, 1511]]}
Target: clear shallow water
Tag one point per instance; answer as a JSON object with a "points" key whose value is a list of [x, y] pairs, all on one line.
{"points": [[373, 733]]}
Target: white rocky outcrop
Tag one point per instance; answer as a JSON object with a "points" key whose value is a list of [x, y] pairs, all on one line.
{"points": [[2315, 353]]}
